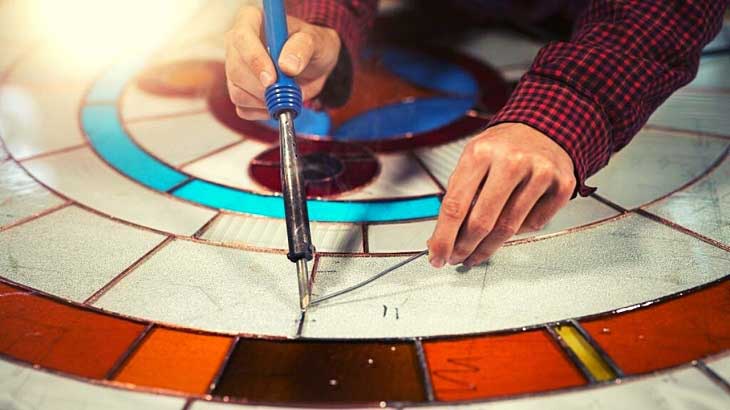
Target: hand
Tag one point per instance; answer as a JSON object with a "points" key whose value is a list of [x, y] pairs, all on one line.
{"points": [[526, 177], [309, 55]]}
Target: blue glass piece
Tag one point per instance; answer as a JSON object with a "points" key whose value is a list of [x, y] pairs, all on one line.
{"points": [[430, 73], [308, 122], [418, 116], [110, 140], [217, 196]]}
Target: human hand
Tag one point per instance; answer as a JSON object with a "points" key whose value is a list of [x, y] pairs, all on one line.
{"points": [[527, 177], [309, 55]]}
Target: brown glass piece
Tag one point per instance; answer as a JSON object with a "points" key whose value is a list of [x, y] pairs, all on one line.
{"points": [[667, 334], [62, 337], [176, 360], [321, 371], [500, 365]]}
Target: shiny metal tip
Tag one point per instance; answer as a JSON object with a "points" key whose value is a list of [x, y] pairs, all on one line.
{"points": [[303, 278]]}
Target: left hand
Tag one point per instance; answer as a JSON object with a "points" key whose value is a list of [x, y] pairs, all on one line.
{"points": [[527, 177]]}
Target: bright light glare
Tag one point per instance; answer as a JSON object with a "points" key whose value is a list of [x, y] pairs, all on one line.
{"points": [[98, 29]]}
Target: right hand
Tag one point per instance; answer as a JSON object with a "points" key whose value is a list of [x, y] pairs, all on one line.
{"points": [[309, 55]]}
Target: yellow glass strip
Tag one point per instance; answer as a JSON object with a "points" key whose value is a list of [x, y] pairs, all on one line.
{"points": [[595, 364]]}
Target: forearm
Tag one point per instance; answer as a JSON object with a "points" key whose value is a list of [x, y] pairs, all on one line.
{"points": [[592, 94]]}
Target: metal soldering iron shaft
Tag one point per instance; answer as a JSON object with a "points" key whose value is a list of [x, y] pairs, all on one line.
{"points": [[295, 206], [303, 277]]}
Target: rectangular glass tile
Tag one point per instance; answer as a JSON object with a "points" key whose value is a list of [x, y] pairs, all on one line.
{"points": [[667, 334], [562, 277], [655, 164], [84, 177], [183, 138], [704, 207], [682, 389], [212, 288], [20, 195], [176, 360], [500, 365], [71, 253], [58, 336], [270, 233], [25, 388], [321, 372]]}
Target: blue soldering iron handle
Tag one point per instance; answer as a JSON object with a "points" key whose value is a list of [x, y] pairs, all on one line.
{"points": [[284, 94]]}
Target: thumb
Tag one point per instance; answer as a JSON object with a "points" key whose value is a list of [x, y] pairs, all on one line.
{"points": [[296, 53]]}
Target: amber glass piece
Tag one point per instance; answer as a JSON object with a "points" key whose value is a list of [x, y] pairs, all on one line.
{"points": [[58, 336], [500, 365], [189, 78], [373, 86], [176, 360], [667, 334], [321, 371]]}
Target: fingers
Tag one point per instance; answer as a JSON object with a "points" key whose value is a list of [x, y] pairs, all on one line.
{"points": [[257, 71], [503, 178], [248, 106], [296, 53], [252, 114], [463, 185], [511, 218], [549, 205]]}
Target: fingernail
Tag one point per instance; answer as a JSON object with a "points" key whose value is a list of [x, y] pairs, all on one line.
{"points": [[266, 78], [292, 61], [454, 261], [437, 262]]}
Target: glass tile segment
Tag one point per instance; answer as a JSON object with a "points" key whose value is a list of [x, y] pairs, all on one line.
{"points": [[57, 336], [22, 387], [666, 334], [176, 360], [322, 372], [500, 365], [599, 369]]}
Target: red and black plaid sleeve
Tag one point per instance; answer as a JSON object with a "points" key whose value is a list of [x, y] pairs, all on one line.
{"points": [[352, 19], [593, 94]]}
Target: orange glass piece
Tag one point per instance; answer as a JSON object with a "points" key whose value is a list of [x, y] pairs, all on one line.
{"points": [[374, 86], [59, 336], [669, 333], [176, 360], [500, 365]]}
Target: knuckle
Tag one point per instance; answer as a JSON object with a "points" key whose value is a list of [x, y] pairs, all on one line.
{"points": [[249, 11], [480, 227], [482, 150], [452, 208], [566, 186], [476, 149], [542, 171], [257, 62], [460, 252], [504, 230], [438, 246], [512, 161], [238, 97]]}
